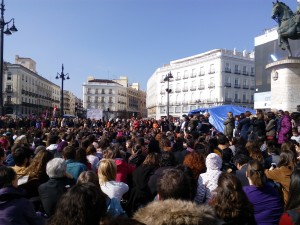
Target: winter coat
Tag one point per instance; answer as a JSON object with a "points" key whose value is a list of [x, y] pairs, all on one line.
{"points": [[176, 212], [17, 210], [285, 129], [259, 127], [123, 170], [229, 126], [50, 192], [243, 127], [271, 128]]}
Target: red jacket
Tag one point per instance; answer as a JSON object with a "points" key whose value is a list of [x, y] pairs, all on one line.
{"points": [[123, 170]]}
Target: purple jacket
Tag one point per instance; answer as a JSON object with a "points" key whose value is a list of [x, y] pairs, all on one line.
{"points": [[17, 210], [285, 129], [266, 203]]}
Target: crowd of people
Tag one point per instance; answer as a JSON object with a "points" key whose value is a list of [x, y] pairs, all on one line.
{"points": [[146, 171]]}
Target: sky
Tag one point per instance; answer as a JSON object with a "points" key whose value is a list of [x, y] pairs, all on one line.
{"points": [[112, 38]]}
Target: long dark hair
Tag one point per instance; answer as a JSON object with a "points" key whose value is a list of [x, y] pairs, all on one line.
{"points": [[294, 193], [231, 203], [82, 204]]}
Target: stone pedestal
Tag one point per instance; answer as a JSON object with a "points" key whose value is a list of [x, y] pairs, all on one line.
{"points": [[285, 84]]}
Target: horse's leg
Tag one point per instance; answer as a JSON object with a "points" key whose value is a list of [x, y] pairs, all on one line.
{"points": [[289, 48]]}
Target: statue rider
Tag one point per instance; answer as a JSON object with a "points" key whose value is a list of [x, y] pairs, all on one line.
{"points": [[297, 13]]}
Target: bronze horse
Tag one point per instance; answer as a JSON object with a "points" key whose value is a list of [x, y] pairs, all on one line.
{"points": [[288, 24]]}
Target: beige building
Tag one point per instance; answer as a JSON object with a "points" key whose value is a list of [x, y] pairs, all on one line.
{"points": [[25, 92], [114, 97]]}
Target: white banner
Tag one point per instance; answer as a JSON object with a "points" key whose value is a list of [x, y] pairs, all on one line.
{"points": [[96, 114]]}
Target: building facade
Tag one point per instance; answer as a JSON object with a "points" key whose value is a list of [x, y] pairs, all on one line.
{"points": [[216, 77], [26, 92], [114, 97]]}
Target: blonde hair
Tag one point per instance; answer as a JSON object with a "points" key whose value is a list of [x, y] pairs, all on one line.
{"points": [[107, 171]]}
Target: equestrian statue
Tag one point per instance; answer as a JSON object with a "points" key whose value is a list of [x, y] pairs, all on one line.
{"points": [[288, 24]]}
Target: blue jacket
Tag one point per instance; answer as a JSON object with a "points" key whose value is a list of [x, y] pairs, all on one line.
{"points": [[75, 168], [17, 210]]}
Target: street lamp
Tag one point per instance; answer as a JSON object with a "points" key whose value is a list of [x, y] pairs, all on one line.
{"points": [[62, 76], [168, 90], [8, 31]]}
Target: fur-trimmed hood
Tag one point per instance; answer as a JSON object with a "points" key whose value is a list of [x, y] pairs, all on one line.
{"points": [[173, 212]]}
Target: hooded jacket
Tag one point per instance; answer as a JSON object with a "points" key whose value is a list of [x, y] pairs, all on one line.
{"points": [[176, 212], [208, 181], [17, 210]]}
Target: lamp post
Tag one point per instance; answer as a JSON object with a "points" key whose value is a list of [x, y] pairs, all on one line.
{"points": [[8, 31], [168, 90], [62, 76]]}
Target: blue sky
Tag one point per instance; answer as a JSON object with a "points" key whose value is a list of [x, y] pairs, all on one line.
{"points": [[112, 38]]}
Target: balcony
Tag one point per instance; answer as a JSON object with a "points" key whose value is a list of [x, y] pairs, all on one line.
{"points": [[245, 101], [185, 76], [177, 90], [184, 102], [178, 78], [228, 100], [162, 92], [193, 88], [227, 70], [236, 100], [8, 90], [237, 71], [251, 101], [245, 86], [211, 100], [237, 86], [193, 102], [227, 85], [202, 73], [245, 73], [252, 74], [201, 87], [252, 88], [211, 86], [211, 71], [193, 75], [8, 103], [185, 89], [177, 103]]}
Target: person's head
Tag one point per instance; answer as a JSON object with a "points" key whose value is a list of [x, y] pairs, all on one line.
{"points": [[295, 132], [231, 202], [8, 177], [151, 159], [82, 204], [240, 159], [213, 162], [52, 139], [69, 152], [39, 148], [4, 143], [223, 140], [230, 115], [166, 159], [294, 193], [56, 168], [21, 140], [176, 212], [88, 176], [107, 170], [37, 167], [196, 162], [287, 159], [173, 184], [247, 114], [22, 156], [255, 173]]}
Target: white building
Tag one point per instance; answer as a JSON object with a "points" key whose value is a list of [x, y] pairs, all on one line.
{"points": [[25, 92], [216, 77], [114, 97]]}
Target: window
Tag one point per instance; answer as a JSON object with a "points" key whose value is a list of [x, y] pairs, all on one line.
{"points": [[212, 68], [244, 96], [236, 95], [245, 82], [244, 69], [236, 81], [202, 70], [252, 70], [9, 76]]}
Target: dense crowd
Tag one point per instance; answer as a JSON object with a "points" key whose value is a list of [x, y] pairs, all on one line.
{"points": [[146, 171]]}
